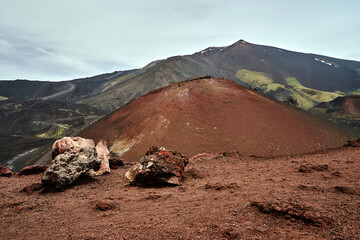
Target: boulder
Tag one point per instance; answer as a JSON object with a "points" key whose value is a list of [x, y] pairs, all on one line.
{"points": [[353, 143], [115, 161], [103, 155], [5, 172], [69, 166], [70, 144], [158, 167], [31, 170]]}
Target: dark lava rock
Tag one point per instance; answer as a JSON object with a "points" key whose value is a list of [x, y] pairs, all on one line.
{"points": [[5, 172], [158, 167], [105, 205], [31, 170], [32, 188], [221, 186], [115, 161], [293, 211], [310, 168], [346, 190], [353, 143]]}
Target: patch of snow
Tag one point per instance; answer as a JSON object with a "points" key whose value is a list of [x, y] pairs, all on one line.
{"points": [[326, 62]]}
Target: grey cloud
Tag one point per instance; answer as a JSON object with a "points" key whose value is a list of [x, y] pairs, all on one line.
{"points": [[52, 39]]}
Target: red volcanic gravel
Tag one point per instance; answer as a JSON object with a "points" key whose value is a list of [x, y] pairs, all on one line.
{"points": [[223, 197]]}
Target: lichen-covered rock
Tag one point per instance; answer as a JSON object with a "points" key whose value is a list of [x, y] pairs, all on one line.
{"points": [[158, 167], [69, 166]]}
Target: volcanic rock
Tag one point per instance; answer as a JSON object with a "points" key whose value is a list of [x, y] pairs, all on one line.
{"points": [[115, 161], [105, 205], [158, 167], [72, 144], [310, 168], [32, 188], [346, 190], [31, 170], [69, 166], [5, 172], [103, 155], [293, 211], [353, 143]]}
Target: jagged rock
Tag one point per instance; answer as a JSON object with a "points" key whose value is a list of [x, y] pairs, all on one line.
{"points": [[221, 186], [293, 211], [158, 167], [310, 168], [32, 188], [70, 144], [31, 170], [69, 166], [115, 161], [103, 155], [353, 143], [5, 172], [346, 190]]}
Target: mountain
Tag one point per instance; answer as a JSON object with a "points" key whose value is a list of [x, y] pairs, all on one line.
{"points": [[298, 78], [303, 80], [213, 115]]}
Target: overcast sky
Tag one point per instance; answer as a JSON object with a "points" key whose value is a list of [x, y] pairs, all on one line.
{"points": [[66, 39]]}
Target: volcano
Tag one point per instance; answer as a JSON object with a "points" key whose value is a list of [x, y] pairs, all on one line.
{"points": [[207, 114]]}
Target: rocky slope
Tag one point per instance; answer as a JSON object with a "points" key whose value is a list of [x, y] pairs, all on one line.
{"points": [[304, 79], [210, 115]]}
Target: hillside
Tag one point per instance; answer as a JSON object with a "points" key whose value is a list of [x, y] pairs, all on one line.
{"points": [[302, 79], [70, 90], [213, 115]]}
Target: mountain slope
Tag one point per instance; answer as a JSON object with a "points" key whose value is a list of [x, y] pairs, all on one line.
{"points": [[64, 90], [342, 110], [213, 115], [303, 79]]}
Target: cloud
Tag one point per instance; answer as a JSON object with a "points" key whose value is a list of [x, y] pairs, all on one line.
{"points": [[53, 40]]}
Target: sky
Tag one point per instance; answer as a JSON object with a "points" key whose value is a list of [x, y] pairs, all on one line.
{"points": [[66, 39]]}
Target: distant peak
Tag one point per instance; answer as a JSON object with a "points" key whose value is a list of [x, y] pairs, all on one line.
{"points": [[241, 41]]}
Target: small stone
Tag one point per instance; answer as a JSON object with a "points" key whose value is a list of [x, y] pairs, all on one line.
{"points": [[105, 205]]}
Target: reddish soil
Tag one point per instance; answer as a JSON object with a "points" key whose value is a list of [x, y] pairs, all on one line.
{"points": [[213, 115], [351, 105], [231, 197]]}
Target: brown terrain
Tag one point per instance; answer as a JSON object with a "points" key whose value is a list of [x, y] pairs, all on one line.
{"points": [[254, 169], [208, 114], [224, 196]]}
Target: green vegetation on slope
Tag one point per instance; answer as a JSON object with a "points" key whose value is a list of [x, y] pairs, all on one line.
{"points": [[357, 91], [258, 79], [53, 133], [305, 97]]}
